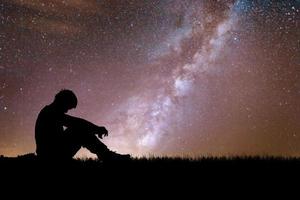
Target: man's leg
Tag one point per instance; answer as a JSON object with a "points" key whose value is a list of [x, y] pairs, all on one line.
{"points": [[75, 139]]}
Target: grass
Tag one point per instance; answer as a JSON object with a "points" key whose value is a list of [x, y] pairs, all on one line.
{"points": [[161, 170], [235, 161]]}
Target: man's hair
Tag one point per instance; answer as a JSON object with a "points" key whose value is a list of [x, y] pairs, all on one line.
{"points": [[67, 97]]}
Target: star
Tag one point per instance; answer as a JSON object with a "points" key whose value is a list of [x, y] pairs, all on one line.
{"points": [[165, 77]]}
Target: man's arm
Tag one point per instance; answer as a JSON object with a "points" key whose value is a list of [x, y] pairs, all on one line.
{"points": [[82, 124]]}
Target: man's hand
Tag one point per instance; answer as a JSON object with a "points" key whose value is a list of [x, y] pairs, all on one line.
{"points": [[102, 131]]}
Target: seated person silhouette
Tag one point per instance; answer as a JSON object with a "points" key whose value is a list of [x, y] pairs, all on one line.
{"points": [[53, 142]]}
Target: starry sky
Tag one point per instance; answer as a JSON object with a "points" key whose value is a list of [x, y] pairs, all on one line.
{"points": [[171, 77]]}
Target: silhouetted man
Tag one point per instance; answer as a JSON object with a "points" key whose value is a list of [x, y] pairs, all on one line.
{"points": [[60, 136]]}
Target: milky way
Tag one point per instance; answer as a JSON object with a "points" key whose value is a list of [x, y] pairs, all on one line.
{"points": [[165, 77]]}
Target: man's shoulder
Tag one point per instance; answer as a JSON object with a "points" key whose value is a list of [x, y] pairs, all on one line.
{"points": [[47, 111]]}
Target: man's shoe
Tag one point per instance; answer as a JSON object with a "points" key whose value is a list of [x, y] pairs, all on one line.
{"points": [[111, 156]]}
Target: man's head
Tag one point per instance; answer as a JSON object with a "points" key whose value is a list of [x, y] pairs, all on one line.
{"points": [[65, 100]]}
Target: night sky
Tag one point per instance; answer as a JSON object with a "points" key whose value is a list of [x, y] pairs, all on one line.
{"points": [[169, 77]]}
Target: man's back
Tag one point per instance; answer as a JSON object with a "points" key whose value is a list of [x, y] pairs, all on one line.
{"points": [[48, 130]]}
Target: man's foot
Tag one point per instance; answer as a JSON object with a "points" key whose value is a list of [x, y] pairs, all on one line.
{"points": [[111, 156]]}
